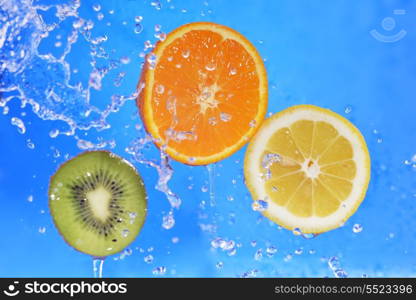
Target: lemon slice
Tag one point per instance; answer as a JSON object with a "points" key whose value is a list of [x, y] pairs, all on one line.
{"points": [[311, 166]]}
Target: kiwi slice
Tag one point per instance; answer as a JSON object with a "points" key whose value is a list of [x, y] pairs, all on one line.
{"points": [[98, 202]]}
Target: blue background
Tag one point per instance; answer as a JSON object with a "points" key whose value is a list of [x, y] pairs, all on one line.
{"points": [[316, 52]]}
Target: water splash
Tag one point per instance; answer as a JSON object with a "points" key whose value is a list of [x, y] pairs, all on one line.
{"points": [[335, 266], [163, 167], [97, 266], [211, 180]]}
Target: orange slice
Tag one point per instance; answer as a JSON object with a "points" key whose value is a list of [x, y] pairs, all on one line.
{"points": [[205, 93]]}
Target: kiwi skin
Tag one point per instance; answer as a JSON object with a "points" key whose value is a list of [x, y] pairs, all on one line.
{"points": [[144, 217]]}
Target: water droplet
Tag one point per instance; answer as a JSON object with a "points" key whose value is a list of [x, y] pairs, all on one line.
{"points": [[125, 233], [150, 249], [175, 240], [156, 4], [230, 198], [95, 80], [128, 252], [159, 271], [348, 109], [19, 124], [56, 153], [212, 121], [287, 258], [30, 198], [259, 205], [161, 36], [258, 255], [253, 243], [96, 7], [299, 251], [100, 16], [148, 259], [42, 230], [357, 228], [210, 67], [297, 231], [158, 27], [218, 243], [78, 23], [186, 53], [219, 265], [250, 274], [168, 221], [6, 110], [84, 144], [151, 60], [269, 159], [225, 117], [30, 144], [271, 250], [204, 189], [125, 60], [138, 19], [138, 28], [58, 44], [312, 251], [232, 252]]}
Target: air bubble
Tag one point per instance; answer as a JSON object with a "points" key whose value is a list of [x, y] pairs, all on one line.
{"points": [[125, 233], [42, 230], [233, 71], [219, 265], [30, 198], [252, 123], [138, 19]]}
